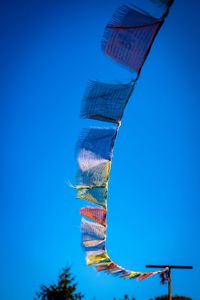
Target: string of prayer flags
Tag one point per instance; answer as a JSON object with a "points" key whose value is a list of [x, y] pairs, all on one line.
{"points": [[127, 40]]}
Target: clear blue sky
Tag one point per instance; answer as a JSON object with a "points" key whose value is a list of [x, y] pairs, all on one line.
{"points": [[49, 50]]}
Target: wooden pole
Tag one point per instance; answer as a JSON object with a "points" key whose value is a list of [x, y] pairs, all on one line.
{"points": [[169, 285], [169, 274]]}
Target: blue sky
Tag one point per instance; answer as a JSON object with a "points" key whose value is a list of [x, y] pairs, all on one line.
{"points": [[49, 50]]}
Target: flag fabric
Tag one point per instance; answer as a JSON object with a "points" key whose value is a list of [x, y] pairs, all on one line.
{"points": [[105, 102], [96, 259], [95, 214], [96, 195], [129, 36], [92, 231], [94, 150]]}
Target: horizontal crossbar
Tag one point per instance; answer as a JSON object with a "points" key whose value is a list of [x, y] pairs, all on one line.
{"points": [[169, 266]]}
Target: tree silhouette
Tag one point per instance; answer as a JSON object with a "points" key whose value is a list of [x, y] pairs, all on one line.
{"points": [[173, 298], [126, 297], [65, 289]]}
